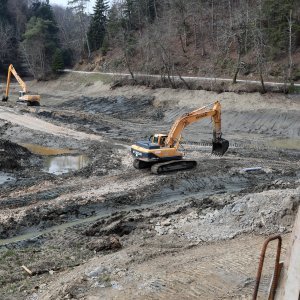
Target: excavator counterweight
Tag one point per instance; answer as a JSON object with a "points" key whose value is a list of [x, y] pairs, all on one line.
{"points": [[32, 100], [161, 152]]}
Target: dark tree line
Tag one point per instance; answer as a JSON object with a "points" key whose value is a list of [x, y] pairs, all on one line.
{"points": [[36, 37]]}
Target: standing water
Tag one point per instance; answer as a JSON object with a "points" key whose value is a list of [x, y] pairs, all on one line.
{"points": [[56, 162], [4, 177], [63, 164]]}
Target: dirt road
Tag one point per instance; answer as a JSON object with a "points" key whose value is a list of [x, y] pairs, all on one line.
{"points": [[178, 78], [36, 124], [106, 231]]}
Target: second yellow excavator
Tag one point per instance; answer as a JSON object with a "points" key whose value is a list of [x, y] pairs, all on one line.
{"points": [[32, 100], [161, 152]]}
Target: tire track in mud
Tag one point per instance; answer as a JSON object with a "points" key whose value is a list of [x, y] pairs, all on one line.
{"points": [[37, 124], [93, 199], [208, 271], [226, 274], [89, 208]]}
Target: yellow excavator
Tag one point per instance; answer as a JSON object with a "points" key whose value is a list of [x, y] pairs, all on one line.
{"points": [[32, 100], [161, 152]]}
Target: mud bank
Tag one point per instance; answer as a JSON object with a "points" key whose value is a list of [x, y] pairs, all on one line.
{"points": [[110, 231]]}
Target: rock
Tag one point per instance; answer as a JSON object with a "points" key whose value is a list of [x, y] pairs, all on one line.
{"points": [[96, 272], [160, 230], [166, 223], [106, 243], [115, 285]]}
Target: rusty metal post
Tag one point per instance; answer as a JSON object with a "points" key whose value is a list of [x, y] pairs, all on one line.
{"points": [[261, 264]]}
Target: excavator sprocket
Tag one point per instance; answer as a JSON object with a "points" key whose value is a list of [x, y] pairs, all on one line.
{"points": [[140, 164], [173, 165], [220, 147], [33, 103]]}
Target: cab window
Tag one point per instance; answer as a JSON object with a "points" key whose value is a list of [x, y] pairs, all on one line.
{"points": [[155, 140]]}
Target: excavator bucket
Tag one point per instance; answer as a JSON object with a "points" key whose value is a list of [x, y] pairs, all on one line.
{"points": [[220, 147], [4, 99]]}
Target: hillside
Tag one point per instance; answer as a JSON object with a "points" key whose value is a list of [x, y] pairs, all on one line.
{"points": [[236, 39]]}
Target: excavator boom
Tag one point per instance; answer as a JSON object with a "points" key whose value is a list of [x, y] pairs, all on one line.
{"points": [[220, 146]]}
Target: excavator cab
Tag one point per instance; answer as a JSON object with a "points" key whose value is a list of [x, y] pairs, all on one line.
{"points": [[21, 94], [159, 139], [220, 146]]}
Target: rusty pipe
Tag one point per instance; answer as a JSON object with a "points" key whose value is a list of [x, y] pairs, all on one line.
{"points": [[261, 264]]}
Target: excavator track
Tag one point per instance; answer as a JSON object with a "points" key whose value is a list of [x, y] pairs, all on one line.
{"points": [[173, 165], [140, 164]]}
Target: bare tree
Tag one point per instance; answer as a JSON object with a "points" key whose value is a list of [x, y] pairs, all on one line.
{"points": [[79, 8], [260, 45], [239, 30], [69, 32], [290, 57], [35, 58]]}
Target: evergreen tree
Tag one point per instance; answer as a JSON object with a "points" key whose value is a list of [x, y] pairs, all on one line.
{"points": [[41, 39], [97, 29], [43, 10], [276, 16], [114, 22], [58, 61], [79, 7], [4, 16]]}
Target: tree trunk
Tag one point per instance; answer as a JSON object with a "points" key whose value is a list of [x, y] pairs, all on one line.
{"points": [[155, 8], [246, 29], [212, 17], [128, 65], [237, 69], [290, 48], [262, 80], [230, 13], [182, 43]]}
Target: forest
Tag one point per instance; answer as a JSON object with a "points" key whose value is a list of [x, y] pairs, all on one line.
{"points": [[232, 38]]}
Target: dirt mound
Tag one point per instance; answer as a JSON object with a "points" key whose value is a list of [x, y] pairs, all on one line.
{"points": [[119, 106], [12, 156]]}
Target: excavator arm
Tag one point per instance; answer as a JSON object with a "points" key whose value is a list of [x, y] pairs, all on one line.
{"points": [[220, 145], [30, 99], [192, 117], [11, 70]]}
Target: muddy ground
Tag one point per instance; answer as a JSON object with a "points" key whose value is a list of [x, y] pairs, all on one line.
{"points": [[108, 231]]}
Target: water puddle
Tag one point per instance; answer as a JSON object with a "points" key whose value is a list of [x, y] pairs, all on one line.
{"points": [[58, 165], [46, 151], [4, 177], [56, 161]]}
